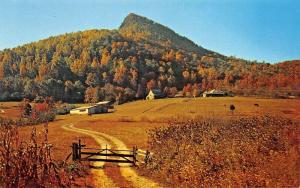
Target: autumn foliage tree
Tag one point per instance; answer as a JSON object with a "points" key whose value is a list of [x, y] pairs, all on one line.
{"points": [[132, 57]]}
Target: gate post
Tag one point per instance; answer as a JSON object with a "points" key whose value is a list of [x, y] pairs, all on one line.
{"points": [[75, 155], [134, 152], [79, 149], [147, 157]]}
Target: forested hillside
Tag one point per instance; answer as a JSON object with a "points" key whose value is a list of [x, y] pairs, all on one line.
{"points": [[124, 64]]}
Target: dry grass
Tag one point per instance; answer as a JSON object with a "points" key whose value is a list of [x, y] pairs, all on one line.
{"points": [[61, 141], [29, 160], [10, 110], [60, 138], [131, 121], [166, 109], [248, 152], [131, 133]]}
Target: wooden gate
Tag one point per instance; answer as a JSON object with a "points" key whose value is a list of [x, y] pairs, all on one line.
{"points": [[82, 153]]}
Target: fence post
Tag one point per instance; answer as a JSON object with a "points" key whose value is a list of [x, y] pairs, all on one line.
{"points": [[79, 149], [134, 152], [74, 151], [146, 160]]}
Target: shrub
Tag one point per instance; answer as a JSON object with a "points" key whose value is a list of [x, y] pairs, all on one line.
{"points": [[39, 99], [249, 152], [39, 113], [232, 108], [25, 108], [29, 164]]}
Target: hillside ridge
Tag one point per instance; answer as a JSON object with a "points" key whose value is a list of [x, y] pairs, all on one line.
{"points": [[123, 65], [137, 26]]}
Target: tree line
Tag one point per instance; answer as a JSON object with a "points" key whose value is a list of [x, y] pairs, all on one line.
{"points": [[106, 65]]}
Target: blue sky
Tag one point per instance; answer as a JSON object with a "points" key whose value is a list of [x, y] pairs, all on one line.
{"points": [[266, 30]]}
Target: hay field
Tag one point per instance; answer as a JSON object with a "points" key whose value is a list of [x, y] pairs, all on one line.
{"points": [[10, 110], [163, 110], [131, 121]]}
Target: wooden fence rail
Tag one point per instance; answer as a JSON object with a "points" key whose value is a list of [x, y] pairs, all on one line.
{"points": [[82, 153]]}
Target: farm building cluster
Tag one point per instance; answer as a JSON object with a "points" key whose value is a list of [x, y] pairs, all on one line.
{"points": [[100, 107], [215, 93], [107, 106], [157, 94]]}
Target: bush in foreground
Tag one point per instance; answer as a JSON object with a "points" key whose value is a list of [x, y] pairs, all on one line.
{"points": [[249, 152], [29, 164]]}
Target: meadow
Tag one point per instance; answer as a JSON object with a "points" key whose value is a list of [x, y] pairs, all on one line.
{"points": [[131, 122], [164, 110]]}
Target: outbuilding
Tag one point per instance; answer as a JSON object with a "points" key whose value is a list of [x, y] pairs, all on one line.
{"points": [[105, 106], [215, 93], [84, 110], [100, 107], [154, 94]]}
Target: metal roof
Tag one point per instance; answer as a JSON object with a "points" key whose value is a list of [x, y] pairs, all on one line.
{"points": [[156, 91], [104, 102], [214, 91], [83, 107]]}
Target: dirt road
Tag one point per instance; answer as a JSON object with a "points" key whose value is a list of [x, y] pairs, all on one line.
{"points": [[126, 171]]}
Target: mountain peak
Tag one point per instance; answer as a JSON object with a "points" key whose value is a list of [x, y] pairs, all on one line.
{"points": [[134, 23], [132, 18], [139, 27]]}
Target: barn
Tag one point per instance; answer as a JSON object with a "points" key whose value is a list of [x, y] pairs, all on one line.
{"points": [[105, 106], [154, 94], [100, 107], [84, 110], [215, 93]]}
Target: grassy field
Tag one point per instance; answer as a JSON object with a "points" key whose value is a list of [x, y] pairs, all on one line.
{"points": [[10, 110], [163, 110], [131, 121]]}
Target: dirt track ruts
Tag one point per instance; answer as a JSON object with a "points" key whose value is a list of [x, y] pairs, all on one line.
{"points": [[126, 171]]}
